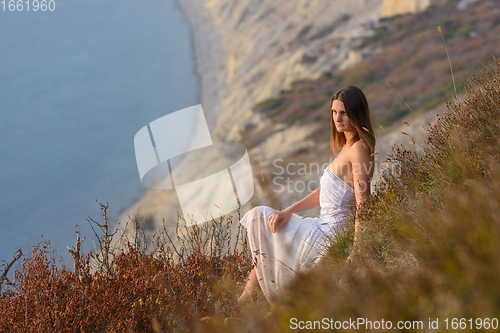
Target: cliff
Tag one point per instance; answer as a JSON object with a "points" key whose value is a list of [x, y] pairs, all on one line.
{"points": [[248, 52], [270, 44]]}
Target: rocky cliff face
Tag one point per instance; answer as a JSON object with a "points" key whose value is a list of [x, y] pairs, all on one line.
{"points": [[247, 51], [269, 44]]}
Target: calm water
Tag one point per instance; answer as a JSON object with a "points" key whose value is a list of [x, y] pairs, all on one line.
{"points": [[76, 84]]}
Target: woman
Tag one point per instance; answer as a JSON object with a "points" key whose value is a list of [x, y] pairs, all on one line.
{"points": [[282, 242]]}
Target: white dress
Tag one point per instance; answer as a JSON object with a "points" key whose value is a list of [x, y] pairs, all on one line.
{"points": [[300, 243]]}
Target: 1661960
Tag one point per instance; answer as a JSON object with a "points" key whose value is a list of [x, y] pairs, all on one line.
{"points": [[28, 5]]}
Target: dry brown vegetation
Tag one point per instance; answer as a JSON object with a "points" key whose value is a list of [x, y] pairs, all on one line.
{"points": [[132, 290], [430, 234], [428, 249]]}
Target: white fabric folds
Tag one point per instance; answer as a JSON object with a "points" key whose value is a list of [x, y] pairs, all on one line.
{"points": [[300, 243]]}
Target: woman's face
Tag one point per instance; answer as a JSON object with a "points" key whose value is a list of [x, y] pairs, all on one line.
{"points": [[340, 119]]}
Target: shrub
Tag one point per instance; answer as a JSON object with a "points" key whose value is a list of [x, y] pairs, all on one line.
{"points": [[135, 290]]}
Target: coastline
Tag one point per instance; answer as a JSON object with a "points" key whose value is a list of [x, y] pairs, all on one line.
{"points": [[257, 80], [225, 45], [209, 58], [210, 67]]}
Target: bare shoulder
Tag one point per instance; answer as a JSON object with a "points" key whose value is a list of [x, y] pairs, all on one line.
{"points": [[360, 152], [362, 159], [360, 148]]}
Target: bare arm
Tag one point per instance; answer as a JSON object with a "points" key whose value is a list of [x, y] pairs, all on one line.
{"points": [[279, 219], [362, 171], [309, 202]]}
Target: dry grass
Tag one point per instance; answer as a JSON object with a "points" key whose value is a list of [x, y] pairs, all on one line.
{"points": [[164, 290], [428, 249], [430, 234]]}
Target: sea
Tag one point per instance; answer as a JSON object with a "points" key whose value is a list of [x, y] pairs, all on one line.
{"points": [[78, 80]]}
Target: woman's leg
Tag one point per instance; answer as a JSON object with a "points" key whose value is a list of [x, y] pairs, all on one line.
{"points": [[261, 241], [250, 288]]}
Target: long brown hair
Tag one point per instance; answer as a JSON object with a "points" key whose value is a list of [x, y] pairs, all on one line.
{"points": [[358, 111]]}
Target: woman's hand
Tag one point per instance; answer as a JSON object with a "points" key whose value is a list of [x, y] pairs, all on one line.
{"points": [[279, 219]]}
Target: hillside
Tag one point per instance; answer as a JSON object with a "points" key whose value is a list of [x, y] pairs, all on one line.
{"points": [[426, 256], [413, 62], [406, 51], [247, 52]]}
